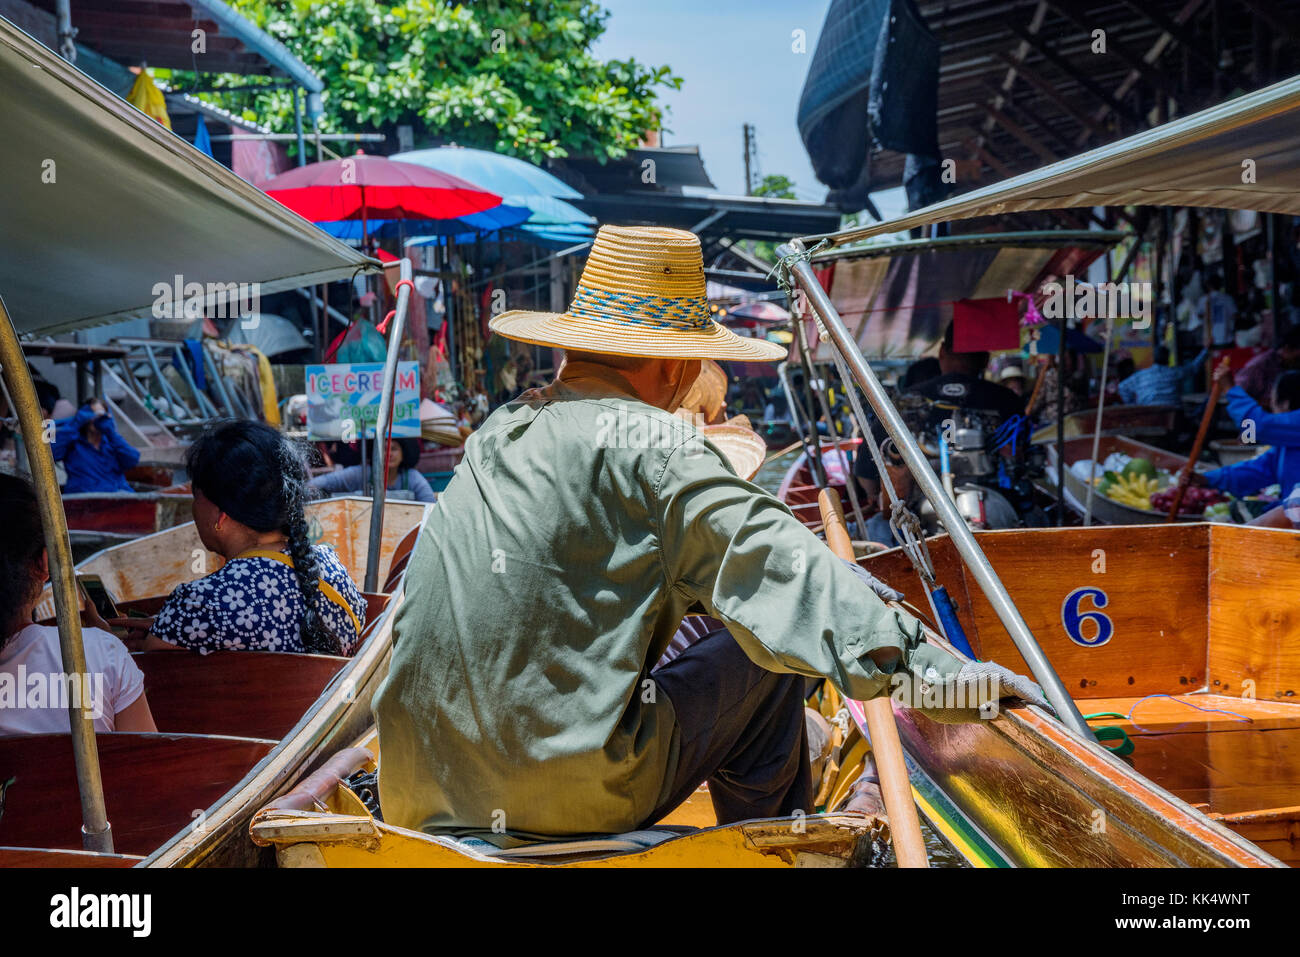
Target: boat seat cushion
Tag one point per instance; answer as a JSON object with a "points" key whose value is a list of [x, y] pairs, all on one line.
{"points": [[627, 842]]}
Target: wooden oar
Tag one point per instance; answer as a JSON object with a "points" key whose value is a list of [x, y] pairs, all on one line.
{"points": [[1185, 475], [904, 825]]}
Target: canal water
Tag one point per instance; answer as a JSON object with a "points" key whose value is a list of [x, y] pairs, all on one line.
{"points": [[769, 477]]}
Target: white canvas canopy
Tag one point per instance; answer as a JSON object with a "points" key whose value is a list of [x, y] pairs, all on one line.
{"points": [[1241, 154], [99, 203]]}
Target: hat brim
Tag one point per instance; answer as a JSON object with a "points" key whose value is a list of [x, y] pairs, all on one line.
{"points": [[612, 337], [744, 448]]}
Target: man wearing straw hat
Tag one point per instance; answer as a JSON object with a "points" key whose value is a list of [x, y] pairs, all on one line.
{"points": [[584, 521]]}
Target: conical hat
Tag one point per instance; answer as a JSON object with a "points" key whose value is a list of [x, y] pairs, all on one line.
{"points": [[641, 294], [708, 395], [744, 448]]}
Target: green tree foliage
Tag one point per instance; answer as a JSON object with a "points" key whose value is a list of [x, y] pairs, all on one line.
{"points": [[776, 186], [513, 77]]}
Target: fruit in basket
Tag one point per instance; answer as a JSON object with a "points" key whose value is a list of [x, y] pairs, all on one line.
{"points": [[1130, 488], [1195, 500], [1140, 467]]}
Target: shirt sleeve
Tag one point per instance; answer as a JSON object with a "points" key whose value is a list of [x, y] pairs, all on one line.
{"points": [[1128, 391], [338, 482], [67, 431], [421, 490], [126, 454], [788, 601], [178, 621], [1282, 428], [1246, 478], [123, 679]]}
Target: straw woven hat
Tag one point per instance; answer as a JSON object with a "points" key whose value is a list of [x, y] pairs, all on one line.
{"points": [[708, 395], [744, 448], [735, 438], [641, 294]]}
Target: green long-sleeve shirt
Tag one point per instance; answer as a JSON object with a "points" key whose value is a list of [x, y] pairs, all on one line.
{"points": [[553, 572]]}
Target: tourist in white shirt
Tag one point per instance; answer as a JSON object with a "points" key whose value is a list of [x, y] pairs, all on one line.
{"points": [[34, 689]]}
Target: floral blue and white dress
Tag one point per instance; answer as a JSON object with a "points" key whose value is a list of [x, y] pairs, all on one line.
{"points": [[253, 603]]}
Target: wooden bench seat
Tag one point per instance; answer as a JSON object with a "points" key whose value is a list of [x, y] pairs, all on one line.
{"points": [[251, 694], [154, 786]]}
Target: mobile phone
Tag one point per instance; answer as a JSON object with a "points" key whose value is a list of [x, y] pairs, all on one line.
{"points": [[92, 586]]}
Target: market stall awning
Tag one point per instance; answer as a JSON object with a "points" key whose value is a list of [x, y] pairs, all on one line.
{"points": [[102, 204], [896, 299], [1240, 154], [160, 32]]}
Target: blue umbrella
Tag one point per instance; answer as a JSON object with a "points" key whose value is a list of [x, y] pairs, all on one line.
{"points": [[517, 183], [461, 228], [504, 175]]}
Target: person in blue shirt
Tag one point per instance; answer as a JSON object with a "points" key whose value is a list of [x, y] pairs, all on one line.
{"points": [[1280, 464], [95, 456], [1159, 383]]}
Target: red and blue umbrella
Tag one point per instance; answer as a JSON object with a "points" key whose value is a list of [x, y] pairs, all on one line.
{"points": [[365, 188]]}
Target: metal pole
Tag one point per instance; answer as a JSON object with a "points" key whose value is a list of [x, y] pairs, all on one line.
{"points": [[1060, 423], [1096, 431], [811, 443], [379, 466], [849, 480], [1270, 220], [96, 833], [297, 126], [953, 523]]}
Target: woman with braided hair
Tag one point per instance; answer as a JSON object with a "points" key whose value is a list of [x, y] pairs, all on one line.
{"points": [[276, 591]]}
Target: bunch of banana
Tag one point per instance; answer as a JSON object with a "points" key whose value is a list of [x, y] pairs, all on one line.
{"points": [[1134, 491]]}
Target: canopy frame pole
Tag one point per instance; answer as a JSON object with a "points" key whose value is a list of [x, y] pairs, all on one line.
{"points": [[1096, 431], [801, 272], [823, 399], [96, 832], [797, 413], [379, 462]]}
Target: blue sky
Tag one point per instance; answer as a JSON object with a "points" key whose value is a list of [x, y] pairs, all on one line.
{"points": [[736, 65]]}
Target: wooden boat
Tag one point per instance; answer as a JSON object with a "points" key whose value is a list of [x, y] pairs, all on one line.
{"points": [[235, 728], [1106, 511], [323, 823], [98, 519], [799, 489], [1165, 630], [1147, 421]]}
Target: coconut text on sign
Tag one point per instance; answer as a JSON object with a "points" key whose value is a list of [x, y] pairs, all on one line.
{"points": [[343, 400]]}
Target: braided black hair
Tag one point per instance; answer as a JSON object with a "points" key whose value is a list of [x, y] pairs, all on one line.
{"points": [[259, 478], [21, 542]]}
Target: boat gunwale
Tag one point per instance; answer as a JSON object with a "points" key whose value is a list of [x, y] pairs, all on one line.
{"points": [[188, 847], [266, 778], [1033, 724]]}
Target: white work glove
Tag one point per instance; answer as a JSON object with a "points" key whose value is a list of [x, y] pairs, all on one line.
{"points": [[883, 591], [974, 693]]}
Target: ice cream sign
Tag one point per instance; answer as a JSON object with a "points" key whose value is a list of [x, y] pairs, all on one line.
{"points": [[343, 400]]}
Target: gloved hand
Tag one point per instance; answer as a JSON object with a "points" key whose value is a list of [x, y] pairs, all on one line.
{"points": [[883, 591], [973, 693]]}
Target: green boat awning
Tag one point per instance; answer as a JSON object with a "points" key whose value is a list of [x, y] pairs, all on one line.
{"points": [[1240, 154], [100, 204]]}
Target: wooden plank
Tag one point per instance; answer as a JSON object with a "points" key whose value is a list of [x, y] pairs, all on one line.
{"points": [[1049, 90], [1180, 714], [1082, 19], [1020, 133], [1254, 612], [263, 694], [1155, 588], [153, 786], [1040, 45]]}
